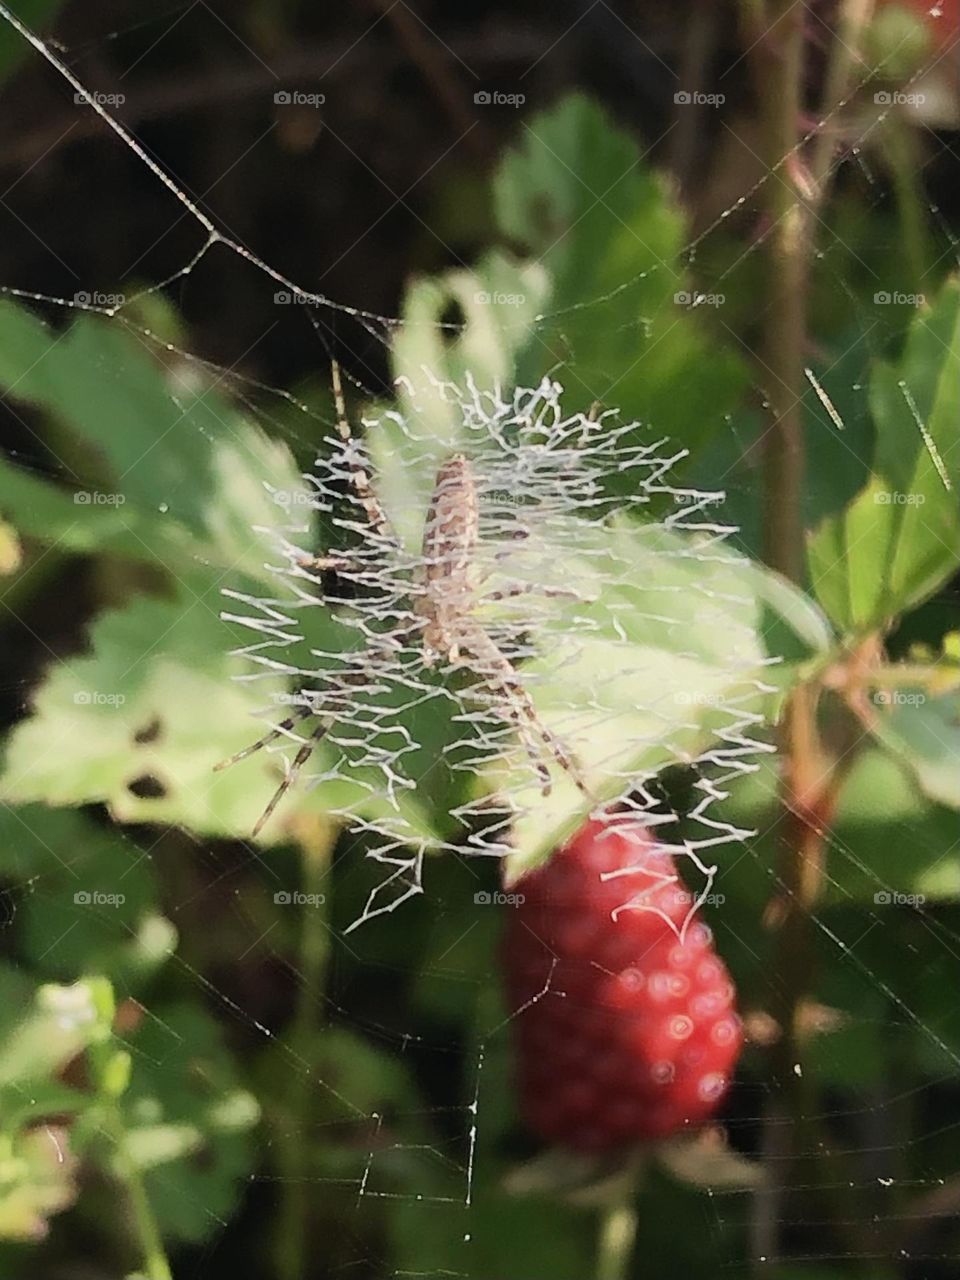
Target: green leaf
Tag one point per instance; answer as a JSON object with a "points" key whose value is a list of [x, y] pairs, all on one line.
{"points": [[886, 838], [46, 511], [140, 723], [187, 1122], [165, 470], [924, 731], [89, 896], [655, 671], [183, 483], [101, 385], [923, 379], [155, 706], [837, 458], [846, 557], [897, 542], [619, 327]]}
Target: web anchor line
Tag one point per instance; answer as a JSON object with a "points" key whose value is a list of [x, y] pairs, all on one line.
{"points": [[362, 315]]}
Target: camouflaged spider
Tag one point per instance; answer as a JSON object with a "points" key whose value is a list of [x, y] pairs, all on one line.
{"points": [[445, 601]]}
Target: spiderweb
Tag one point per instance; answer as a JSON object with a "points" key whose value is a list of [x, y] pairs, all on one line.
{"points": [[540, 603], [600, 546]]}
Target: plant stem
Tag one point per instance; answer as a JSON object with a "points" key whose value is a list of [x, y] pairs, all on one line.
{"points": [[154, 1263], [810, 782], [792, 209], [618, 1231], [807, 782], [788, 249], [317, 837], [804, 829]]}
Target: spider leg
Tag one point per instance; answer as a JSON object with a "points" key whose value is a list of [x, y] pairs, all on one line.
{"points": [[529, 745], [299, 760], [563, 757], [322, 563], [280, 731], [501, 674], [526, 589], [337, 561], [361, 481], [305, 750]]}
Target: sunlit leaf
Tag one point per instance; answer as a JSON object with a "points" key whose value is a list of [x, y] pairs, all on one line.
{"points": [[899, 540], [578, 193]]}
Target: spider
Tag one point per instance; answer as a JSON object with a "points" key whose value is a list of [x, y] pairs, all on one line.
{"points": [[446, 598]]}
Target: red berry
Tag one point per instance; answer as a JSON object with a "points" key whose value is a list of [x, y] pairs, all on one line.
{"points": [[627, 1029]]}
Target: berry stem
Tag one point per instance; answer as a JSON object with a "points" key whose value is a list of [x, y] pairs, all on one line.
{"points": [[618, 1231]]}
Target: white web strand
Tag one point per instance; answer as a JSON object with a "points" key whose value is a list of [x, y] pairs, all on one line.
{"points": [[547, 485], [779, 172]]}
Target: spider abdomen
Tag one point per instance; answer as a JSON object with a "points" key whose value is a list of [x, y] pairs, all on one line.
{"points": [[450, 535]]}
